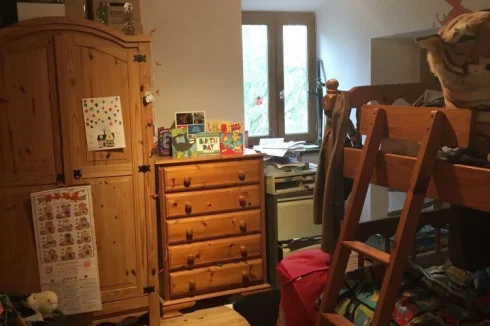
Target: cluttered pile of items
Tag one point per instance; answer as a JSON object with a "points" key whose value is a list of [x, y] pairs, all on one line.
{"points": [[193, 136], [32, 309]]}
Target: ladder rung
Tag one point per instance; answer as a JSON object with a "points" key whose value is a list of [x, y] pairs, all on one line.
{"points": [[335, 319], [368, 251]]}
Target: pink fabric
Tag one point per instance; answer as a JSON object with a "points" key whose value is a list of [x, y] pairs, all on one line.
{"points": [[302, 278]]}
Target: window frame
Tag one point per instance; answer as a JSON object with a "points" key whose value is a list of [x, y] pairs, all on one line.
{"points": [[275, 21]]}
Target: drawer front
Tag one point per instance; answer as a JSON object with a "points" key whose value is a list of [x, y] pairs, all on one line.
{"points": [[212, 201], [201, 176], [214, 251], [216, 278], [192, 229]]}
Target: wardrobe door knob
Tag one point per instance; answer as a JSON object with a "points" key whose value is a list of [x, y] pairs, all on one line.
{"points": [[189, 234], [187, 182], [192, 286], [190, 260], [243, 226], [188, 208], [243, 201], [241, 175], [244, 252]]}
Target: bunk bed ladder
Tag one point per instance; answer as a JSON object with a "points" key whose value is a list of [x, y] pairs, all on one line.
{"points": [[406, 230]]}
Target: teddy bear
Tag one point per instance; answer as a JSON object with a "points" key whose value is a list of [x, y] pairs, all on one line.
{"points": [[65, 226], [84, 237], [83, 224], [50, 242], [81, 209], [66, 240], [44, 302], [50, 256], [86, 251], [69, 254], [47, 213], [47, 228]]}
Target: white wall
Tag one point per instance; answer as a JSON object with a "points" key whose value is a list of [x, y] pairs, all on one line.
{"points": [[34, 10], [199, 46], [346, 27]]}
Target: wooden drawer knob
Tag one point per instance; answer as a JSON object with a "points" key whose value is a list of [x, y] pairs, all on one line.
{"points": [[192, 286], [187, 182], [190, 260], [244, 251], [245, 276], [243, 226], [189, 234], [188, 208], [243, 201], [241, 175]]}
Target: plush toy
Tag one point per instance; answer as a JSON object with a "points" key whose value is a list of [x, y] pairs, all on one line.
{"points": [[459, 55], [44, 302]]}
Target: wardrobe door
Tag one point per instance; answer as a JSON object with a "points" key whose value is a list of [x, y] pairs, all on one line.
{"points": [[92, 67], [30, 152]]}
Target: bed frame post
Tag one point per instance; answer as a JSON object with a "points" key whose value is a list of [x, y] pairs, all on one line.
{"points": [[331, 97]]}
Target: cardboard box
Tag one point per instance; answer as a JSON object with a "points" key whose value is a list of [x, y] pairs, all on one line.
{"points": [[114, 14]]}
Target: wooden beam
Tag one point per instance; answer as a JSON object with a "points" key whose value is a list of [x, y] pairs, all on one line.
{"points": [[452, 183], [409, 123]]}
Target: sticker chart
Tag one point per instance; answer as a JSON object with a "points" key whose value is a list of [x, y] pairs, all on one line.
{"points": [[104, 127], [66, 247]]}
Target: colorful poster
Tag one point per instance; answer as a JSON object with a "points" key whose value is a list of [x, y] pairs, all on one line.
{"points": [[66, 247], [183, 144], [208, 144], [104, 128]]}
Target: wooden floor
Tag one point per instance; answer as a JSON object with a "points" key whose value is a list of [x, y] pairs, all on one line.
{"points": [[217, 316]]}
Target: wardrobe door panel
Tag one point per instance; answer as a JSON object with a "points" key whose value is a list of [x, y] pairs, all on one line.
{"points": [[29, 126], [91, 67], [30, 148]]}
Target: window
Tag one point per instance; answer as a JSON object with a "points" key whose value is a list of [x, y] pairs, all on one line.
{"points": [[279, 53]]}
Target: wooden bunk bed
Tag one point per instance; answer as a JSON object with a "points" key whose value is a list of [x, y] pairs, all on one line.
{"points": [[421, 177]]}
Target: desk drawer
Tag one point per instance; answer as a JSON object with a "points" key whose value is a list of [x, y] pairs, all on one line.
{"points": [[212, 201], [191, 229], [194, 177], [215, 251], [206, 280]]}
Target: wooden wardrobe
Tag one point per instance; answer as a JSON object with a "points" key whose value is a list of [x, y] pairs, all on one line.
{"points": [[47, 66]]}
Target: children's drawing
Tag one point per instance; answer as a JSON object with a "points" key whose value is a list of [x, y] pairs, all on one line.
{"points": [[104, 126]]}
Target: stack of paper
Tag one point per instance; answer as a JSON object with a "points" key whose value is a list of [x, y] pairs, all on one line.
{"points": [[277, 146]]}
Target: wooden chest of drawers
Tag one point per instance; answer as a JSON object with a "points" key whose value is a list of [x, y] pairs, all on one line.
{"points": [[212, 227]]}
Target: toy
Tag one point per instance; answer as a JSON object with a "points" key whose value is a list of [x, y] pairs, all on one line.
{"points": [[44, 303], [459, 55]]}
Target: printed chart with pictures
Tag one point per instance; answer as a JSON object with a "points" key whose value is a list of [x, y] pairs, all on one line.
{"points": [[66, 247], [104, 127]]}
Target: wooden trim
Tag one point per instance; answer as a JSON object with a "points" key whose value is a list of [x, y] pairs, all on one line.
{"points": [[297, 18], [150, 188], [275, 20], [35, 25], [261, 18], [451, 183], [409, 123], [216, 294]]}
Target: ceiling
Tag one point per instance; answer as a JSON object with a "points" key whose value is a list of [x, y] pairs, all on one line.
{"points": [[283, 5]]}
